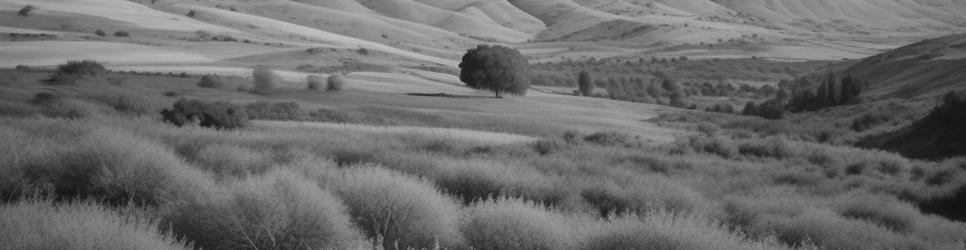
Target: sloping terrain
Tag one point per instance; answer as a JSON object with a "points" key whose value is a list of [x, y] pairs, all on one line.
{"points": [[407, 35], [932, 66]]}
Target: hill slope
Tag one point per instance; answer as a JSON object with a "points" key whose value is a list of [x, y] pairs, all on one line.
{"points": [[930, 67]]}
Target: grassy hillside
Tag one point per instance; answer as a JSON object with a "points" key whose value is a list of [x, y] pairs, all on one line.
{"points": [[938, 135], [929, 67]]}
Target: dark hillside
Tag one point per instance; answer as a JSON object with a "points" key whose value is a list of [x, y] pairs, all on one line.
{"points": [[940, 134]]}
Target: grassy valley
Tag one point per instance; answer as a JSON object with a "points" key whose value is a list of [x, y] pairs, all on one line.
{"points": [[470, 124]]}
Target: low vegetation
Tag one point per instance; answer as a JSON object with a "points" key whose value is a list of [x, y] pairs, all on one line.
{"points": [[211, 81], [75, 71], [114, 180], [221, 115]]}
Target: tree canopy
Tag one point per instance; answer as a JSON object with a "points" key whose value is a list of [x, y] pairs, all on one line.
{"points": [[496, 68], [585, 83]]}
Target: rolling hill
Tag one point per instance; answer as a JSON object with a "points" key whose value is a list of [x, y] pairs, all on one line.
{"points": [[929, 67], [409, 35]]}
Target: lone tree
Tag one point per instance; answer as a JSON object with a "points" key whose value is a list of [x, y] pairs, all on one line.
{"points": [[496, 68], [26, 10], [586, 83]]}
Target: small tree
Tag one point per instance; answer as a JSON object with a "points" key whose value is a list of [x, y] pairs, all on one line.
{"points": [[335, 83], [25, 11], [121, 34], [750, 109], [314, 82], [100, 33], [585, 83], [265, 80], [496, 68]]}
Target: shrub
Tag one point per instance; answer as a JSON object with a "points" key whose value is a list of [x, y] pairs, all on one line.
{"points": [[44, 225], [827, 230], [100, 33], [514, 224], [644, 194], [121, 34], [60, 106], [282, 111], [870, 120], [25, 11], [612, 139], [76, 70], [314, 82], [545, 146], [233, 161], [265, 80], [17, 109], [277, 211], [129, 102], [719, 145], [496, 68], [211, 81], [885, 211], [106, 164], [335, 83], [572, 137], [708, 129], [401, 211], [219, 115], [774, 147], [663, 230], [22, 68]]}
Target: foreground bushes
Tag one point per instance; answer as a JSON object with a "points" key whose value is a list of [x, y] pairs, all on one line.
{"points": [[81, 226], [277, 211], [220, 115], [510, 224], [662, 230], [399, 211], [78, 161]]}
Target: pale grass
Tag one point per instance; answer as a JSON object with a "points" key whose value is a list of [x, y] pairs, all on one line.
{"points": [[439, 133]]}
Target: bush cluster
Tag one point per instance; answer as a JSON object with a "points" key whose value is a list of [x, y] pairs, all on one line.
{"points": [[73, 71], [220, 115], [277, 211], [279, 111], [612, 139]]}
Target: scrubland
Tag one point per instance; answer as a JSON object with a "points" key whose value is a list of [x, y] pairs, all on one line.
{"points": [[84, 172]]}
